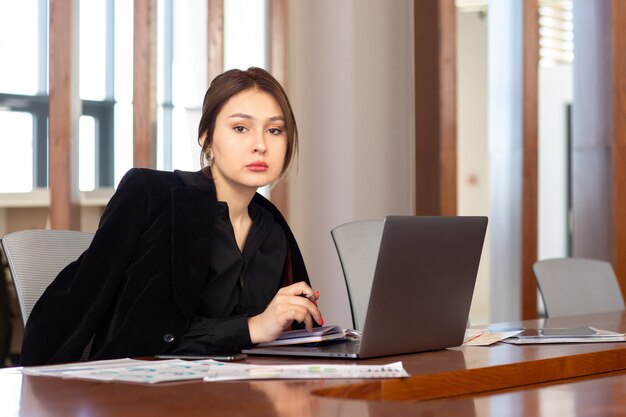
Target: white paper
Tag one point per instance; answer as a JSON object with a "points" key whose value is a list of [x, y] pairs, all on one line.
{"points": [[152, 372], [149, 372], [59, 370], [484, 337], [231, 371]]}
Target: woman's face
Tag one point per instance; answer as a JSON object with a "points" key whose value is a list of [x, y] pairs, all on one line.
{"points": [[249, 141]]}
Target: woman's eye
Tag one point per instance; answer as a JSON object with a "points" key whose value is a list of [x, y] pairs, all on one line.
{"points": [[240, 129], [275, 131]]}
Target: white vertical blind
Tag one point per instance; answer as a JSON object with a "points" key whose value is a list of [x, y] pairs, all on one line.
{"points": [[556, 32]]}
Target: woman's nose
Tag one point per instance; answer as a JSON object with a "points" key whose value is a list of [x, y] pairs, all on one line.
{"points": [[259, 144]]}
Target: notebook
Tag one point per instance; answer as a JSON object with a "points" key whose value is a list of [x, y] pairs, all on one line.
{"points": [[421, 292]]}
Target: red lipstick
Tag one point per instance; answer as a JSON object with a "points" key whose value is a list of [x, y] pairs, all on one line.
{"points": [[257, 166]]}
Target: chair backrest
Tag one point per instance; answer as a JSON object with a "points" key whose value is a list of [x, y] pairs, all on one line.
{"points": [[573, 286], [357, 245], [5, 313], [36, 257]]}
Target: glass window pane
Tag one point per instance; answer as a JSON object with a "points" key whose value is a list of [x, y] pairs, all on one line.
{"points": [[92, 50], [16, 152], [123, 110], [87, 153], [189, 81], [160, 151], [19, 34], [185, 148], [189, 66], [123, 51], [245, 34], [161, 38], [123, 135]]}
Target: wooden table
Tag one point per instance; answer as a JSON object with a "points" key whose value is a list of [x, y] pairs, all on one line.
{"points": [[501, 380]]}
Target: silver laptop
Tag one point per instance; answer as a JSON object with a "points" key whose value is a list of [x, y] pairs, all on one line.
{"points": [[421, 293]]}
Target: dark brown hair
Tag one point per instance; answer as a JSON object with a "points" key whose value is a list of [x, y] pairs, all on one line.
{"points": [[232, 82]]}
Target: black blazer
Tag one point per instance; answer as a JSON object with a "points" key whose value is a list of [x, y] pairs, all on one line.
{"points": [[137, 286]]}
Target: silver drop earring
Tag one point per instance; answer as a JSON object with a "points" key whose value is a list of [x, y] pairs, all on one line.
{"points": [[210, 158]]}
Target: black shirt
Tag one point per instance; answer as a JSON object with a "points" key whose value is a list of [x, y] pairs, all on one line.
{"points": [[240, 284]]}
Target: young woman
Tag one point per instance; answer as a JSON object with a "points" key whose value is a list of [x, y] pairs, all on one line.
{"points": [[189, 262]]}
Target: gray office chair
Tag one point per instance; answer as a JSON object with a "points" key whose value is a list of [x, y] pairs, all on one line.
{"points": [[36, 257], [357, 245], [5, 313], [573, 286]]}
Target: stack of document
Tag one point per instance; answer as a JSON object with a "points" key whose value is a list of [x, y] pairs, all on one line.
{"points": [[152, 372], [240, 371], [565, 335]]}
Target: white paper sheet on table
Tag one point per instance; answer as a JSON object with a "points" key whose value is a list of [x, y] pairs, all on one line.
{"points": [[152, 372], [124, 370], [60, 370], [235, 371], [485, 337]]}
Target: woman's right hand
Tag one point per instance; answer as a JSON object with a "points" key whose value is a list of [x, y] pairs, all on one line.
{"points": [[292, 303]]}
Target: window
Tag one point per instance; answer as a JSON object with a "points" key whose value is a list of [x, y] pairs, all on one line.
{"points": [[182, 68], [24, 90], [181, 81], [556, 32], [16, 166], [106, 84]]}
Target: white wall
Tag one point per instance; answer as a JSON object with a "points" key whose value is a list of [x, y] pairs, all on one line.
{"points": [[3, 221], [472, 134], [555, 92], [350, 80], [505, 157]]}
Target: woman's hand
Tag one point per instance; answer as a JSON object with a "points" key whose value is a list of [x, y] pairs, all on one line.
{"points": [[295, 302]]}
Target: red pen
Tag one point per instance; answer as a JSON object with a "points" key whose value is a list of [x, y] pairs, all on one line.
{"points": [[313, 298]]}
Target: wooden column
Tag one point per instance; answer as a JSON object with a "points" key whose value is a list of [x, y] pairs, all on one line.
{"points": [[144, 84], [65, 110], [278, 68], [618, 35], [216, 38], [530, 64], [435, 107]]}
